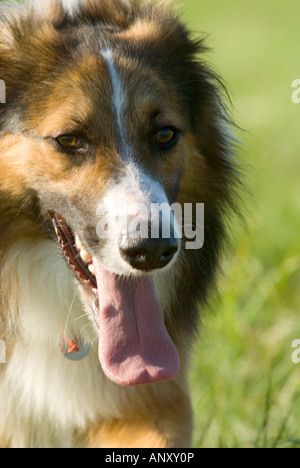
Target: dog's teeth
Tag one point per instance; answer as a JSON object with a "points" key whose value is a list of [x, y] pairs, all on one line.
{"points": [[85, 255], [78, 243], [92, 269], [82, 251], [69, 260]]}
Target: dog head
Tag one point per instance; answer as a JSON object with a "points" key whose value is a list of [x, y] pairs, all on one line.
{"points": [[110, 112]]}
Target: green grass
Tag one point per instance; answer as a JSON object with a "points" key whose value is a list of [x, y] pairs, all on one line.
{"points": [[245, 387]]}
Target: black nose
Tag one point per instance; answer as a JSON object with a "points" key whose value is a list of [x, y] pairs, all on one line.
{"points": [[149, 254]]}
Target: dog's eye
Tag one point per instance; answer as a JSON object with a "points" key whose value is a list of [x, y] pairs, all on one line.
{"points": [[69, 142], [167, 137]]}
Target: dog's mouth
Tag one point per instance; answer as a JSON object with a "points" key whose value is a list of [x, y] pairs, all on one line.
{"points": [[134, 345], [76, 255], [78, 258]]}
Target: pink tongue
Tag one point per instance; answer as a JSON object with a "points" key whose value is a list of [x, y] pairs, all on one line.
{"points": [[134, 345]]}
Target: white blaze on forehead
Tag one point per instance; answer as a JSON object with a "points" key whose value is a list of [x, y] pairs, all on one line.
{"points": [[118, 95]]}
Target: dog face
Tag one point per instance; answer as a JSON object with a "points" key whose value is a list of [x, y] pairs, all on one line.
{"points": [[103, 127], [102, 117]]}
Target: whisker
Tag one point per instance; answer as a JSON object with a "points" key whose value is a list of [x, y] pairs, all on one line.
{"points": [[80, 317], [70, 310]]}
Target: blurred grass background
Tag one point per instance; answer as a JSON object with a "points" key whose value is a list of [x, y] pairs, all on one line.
{"points": [[245, 387]]}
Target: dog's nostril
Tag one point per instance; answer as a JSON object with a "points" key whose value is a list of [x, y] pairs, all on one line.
{"points": [[166, 256]]}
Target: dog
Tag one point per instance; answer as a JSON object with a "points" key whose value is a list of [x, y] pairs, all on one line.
{"points": [[109, 109]]}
